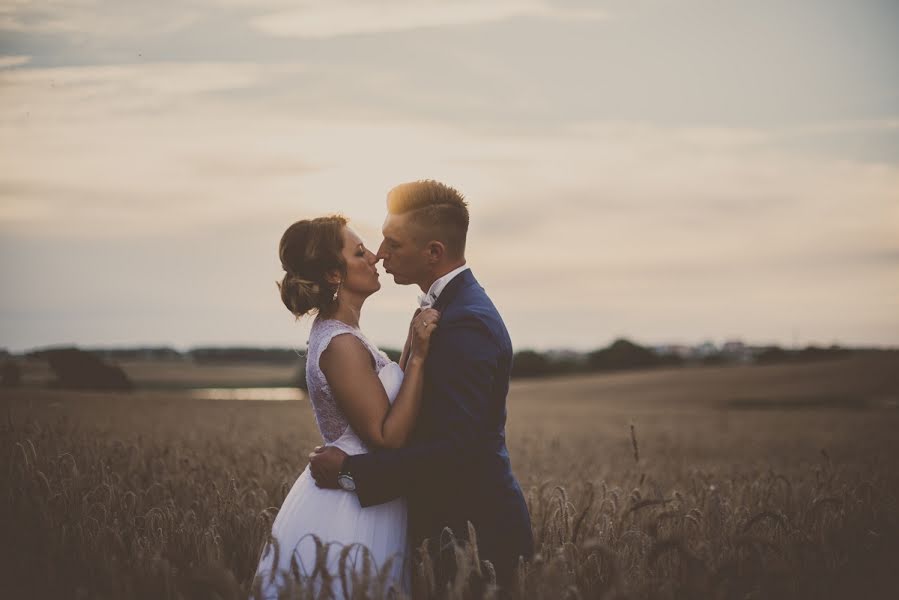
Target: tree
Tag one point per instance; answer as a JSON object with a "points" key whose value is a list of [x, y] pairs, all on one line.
{"points": [[79, 370], [528, 363], [622, 354]]}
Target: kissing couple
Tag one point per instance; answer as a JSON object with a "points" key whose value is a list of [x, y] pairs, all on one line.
{"points": [[411, 448]]}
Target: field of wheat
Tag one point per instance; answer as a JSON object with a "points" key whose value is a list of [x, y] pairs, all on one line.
{"points": [[749, 482]]}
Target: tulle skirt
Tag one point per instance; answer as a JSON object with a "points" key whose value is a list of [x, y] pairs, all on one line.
{"points": [[318, 529]]}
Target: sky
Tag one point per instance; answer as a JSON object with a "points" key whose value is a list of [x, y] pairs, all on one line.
{"points": [[669, 172]]}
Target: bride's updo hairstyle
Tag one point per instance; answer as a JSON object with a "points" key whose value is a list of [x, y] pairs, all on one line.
{"points": [[308, 250]]}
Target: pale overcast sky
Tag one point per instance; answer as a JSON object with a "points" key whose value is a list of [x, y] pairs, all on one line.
{"points": [[665, 171]]}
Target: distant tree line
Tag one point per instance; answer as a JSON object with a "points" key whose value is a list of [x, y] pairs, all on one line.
{"points": [[203, 354], [775, 354], [624, 355], [148, 353], [91, 369], [621, 355], [243, 355]]}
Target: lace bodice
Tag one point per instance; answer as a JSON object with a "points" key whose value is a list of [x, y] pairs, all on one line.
{"points": [[331, 421]]}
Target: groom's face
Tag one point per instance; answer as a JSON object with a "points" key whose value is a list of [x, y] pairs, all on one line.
{"points": [[404, 255]]}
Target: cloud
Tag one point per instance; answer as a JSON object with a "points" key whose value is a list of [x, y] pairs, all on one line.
{"points": [[528, 64], [615, 185], [99, 150], [199, 140], [305, 19], [129, 83], [355, 17], [122, 18], [7, 62], [636, 218]]}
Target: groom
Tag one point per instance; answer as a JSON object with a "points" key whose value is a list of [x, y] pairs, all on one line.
{"points": [[456, 467]]}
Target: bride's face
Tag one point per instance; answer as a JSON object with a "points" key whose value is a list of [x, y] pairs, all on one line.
{"points": [[361, 270]]}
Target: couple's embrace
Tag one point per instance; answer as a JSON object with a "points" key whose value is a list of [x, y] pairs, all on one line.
{"points": [[411, 448]]}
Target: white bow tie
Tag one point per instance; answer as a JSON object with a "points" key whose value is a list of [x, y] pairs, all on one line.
{"points": [[426, 301]]}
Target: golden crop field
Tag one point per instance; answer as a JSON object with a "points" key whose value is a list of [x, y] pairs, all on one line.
{"points": [[725, 482]]}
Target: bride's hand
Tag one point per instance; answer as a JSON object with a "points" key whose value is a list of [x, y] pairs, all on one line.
{"points": [[423, 325]]}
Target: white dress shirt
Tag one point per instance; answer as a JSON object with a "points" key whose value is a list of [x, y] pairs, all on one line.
{"points": [[428, 300]]}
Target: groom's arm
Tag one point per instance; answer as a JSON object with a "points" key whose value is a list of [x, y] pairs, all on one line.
{"points": [[462, 375]]}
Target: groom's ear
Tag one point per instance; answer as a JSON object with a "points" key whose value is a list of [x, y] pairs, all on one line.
{"points": [[435, 251]]}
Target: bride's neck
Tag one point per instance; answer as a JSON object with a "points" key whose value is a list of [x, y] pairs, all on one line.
{"points": [[348, 310]]}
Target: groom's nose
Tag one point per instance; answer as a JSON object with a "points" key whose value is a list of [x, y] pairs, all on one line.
{"points": [[381, 253]]}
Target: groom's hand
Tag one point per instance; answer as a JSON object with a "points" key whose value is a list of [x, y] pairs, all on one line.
{"points": [[325, 463]]}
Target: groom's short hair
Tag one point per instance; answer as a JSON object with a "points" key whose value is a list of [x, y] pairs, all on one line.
{"points": [[438, 210]]}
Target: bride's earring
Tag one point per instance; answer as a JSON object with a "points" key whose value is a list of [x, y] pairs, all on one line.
{"points": [[334, 298]]}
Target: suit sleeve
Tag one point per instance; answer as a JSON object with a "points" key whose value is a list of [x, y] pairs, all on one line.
{"points": [[464, 365]]}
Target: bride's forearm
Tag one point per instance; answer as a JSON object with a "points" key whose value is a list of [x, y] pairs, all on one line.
{"points": [[400, 419], [407, 350], [407, 347]]}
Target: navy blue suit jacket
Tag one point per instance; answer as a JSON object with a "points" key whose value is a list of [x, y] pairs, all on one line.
{"points": [[456, 467]]}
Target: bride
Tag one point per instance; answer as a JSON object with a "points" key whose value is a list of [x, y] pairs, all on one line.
{"points": [[361, 400]]}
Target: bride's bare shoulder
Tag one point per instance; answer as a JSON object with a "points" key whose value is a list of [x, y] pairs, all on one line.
{"points": [[347, 353]]}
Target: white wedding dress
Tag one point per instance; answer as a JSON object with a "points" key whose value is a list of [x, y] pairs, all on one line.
{"points": [[334, 516]]}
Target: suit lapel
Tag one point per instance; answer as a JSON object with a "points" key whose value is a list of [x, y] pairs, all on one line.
{"points": [[452, 289]]}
